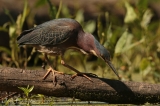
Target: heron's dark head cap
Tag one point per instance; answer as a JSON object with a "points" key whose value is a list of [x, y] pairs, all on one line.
{"points": [[103, 52], [105, 55]]}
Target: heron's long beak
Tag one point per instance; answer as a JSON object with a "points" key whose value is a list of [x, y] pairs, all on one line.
{"points": [[112, 67]]}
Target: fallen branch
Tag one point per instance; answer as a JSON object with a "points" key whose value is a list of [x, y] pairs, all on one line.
{"points": [[106, 90]]}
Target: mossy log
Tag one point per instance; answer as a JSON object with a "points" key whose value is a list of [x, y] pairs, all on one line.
{"points": [[101, 89]]}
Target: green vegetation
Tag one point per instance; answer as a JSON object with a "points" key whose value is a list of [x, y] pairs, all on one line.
{"points": [[14, 28], [27, 99], [26, 92]]}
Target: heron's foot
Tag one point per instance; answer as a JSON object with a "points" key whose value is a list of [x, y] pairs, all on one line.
{"points": [[50, 69], [86, 75]]}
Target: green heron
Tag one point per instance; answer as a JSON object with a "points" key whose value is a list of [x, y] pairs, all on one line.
{"points": [[56, 36]]}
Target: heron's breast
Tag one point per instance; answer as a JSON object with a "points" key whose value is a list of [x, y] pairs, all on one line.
{"points": [[49, 50]]}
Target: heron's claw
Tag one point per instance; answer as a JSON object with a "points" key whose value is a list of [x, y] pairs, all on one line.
{"points": [[86, 75], [50, 69]]}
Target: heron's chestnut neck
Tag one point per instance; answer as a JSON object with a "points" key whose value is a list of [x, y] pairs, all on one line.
{"points": [[85, 41]]}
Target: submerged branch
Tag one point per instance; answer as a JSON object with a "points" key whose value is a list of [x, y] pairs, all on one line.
{"points": [[101, 89]]}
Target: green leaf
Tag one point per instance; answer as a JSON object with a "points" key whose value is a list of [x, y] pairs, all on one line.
{"points": [[26, 90], [90, 26], [24, 14], [142, 5], [146, 18], [124, 42], [59, 9], [21, 18], [79, 16], [40, 96], [22, 88], [7, 103], [31, 89], [6, 50], [12, 30], [27, 86], [65, 11], [145, 66], [5, 27], [147, 71], [53, 10], [130, 15], [144, 63], [109, 32], [7, 12], [156, 74]]}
